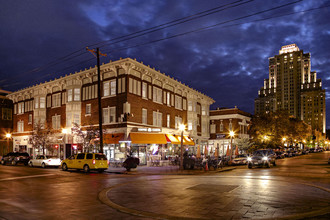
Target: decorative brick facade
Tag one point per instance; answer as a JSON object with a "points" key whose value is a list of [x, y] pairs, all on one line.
{"points": [[128, 87]]}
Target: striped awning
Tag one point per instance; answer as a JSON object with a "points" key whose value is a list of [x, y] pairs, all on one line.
{"points": [[176, 139]]}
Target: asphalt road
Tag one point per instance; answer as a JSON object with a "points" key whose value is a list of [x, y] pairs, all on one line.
{"points": [[297, 188]]}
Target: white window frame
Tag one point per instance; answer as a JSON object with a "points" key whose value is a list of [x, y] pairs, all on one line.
{"points": [[178, 102], [56, 100], [168, 120], [144, 116], [76, 96], [144, 90], [157, 118], [190, 125], [20, 126], [109, 115], [56, 122], [70, 93], [20, 108], [88, 109], [157, 95], [42, 102], [30, 119]]}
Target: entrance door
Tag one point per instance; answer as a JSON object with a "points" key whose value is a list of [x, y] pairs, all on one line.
{"points": [[140, 152]]}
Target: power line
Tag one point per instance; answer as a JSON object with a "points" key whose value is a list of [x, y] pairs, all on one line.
{"points": [[82, 50], [172, 23], [205, 28], [209, 27]]}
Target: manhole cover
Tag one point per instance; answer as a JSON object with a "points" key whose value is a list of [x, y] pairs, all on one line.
{"points": [[214, 188]]}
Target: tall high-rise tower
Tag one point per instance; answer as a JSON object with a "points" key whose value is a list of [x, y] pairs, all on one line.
{"points": [[292, 86]]}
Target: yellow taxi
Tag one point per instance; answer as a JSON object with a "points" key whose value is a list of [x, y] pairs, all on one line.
{"points": [[86, 162]]}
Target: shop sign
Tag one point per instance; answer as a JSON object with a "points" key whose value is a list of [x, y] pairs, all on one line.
{"points": [[221, 136], [149, 129]]}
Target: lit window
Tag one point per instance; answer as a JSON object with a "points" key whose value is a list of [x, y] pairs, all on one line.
{"points": [[168, 120], [144, 116], [56, 122], [77, 94], [69, 95], [109, 115], [56, 100], [157, 119], [144, 90], [88, 109], [20, 126]]}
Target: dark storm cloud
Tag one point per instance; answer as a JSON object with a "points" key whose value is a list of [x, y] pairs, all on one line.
{"points": [[228, 62]]}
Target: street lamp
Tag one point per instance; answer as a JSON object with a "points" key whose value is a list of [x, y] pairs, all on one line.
{"points": [[8, 136], [182, 127], [231, 134]]}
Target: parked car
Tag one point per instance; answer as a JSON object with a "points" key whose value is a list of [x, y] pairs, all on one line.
{"points": [[45, 161], [86, 162], [240, 159], [14, 158], [262, 158], [280, 155]]}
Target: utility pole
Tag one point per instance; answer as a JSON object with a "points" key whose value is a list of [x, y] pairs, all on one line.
{"points": [[99, 92]]}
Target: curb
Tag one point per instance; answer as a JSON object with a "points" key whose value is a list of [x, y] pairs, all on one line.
{"points": [[177, 172]]}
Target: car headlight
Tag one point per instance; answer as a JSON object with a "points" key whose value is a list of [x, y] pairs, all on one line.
{"points": [[249, 159], [265, 158]]}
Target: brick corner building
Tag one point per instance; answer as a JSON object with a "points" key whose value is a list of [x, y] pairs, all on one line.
{"points": [[136, 101]]}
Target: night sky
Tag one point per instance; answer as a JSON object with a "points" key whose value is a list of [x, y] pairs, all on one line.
{"points": [[228, 61]]}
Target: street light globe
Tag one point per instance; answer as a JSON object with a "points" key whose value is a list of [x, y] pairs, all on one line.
{"points": [[182, 127], [231, 133], [64, 131], [8, 135], [283, 139], [265, 137]]}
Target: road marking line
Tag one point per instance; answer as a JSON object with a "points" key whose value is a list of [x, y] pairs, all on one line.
{"points": [[25, 177]]}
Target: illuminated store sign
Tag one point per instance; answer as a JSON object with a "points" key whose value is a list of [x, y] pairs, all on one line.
{"points": [[149, 129]]}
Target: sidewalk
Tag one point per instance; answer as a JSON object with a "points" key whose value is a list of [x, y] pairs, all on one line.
{"points": [[165, 170]]}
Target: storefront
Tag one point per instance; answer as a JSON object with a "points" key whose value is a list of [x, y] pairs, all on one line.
{"points": [[114, 148]]}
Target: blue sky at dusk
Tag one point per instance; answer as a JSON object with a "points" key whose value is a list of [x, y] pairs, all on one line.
{"points": [[228, 61]]}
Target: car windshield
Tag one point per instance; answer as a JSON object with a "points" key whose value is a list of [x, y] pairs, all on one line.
{"points": [[241, 155], [53, 157], [100, 157], [261, 153], [24, 154]]}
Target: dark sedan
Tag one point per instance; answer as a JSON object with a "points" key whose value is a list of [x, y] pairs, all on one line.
{"points": [[14, 158]]}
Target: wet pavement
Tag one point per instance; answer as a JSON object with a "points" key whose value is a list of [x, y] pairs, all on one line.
{"points": [[298, 188]]}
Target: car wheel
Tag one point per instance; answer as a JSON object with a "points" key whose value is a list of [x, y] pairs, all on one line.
{"points": [[250, 166], [13, 162], [43, 165], [31, 164], [267, 165], [86, 169], [64, 167], [101, 170], [274, 163], [128, 169]]}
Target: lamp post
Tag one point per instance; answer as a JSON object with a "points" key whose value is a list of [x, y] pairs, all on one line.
{"points": [[231, 134], [64, 132], [8, 136], [181, 128]]}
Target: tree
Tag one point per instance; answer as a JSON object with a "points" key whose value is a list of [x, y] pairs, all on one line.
{"points": [[88, 136], [243, 144], [268, 130], [41, 137]]}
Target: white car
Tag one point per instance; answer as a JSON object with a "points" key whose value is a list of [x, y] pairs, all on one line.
{"points": [[45, 161]]}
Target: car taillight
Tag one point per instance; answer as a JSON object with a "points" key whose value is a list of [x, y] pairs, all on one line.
{"points": [[93, 161], [49, 160], [17, 158]]}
